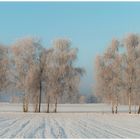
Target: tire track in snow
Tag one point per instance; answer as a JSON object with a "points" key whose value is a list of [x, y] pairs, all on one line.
{"points": [[16, 131], [5, 129], [69, 126], [109, 131], [62, 123], [113, 129], [87, 133], [21, 126], [35, 128], [117, 125], [47, 130], [73, 129], [11, 131], [132, 127], [3, 123], [28, 129], [57, 131], [99, 131], [72, 132], [61, 130], [39, 132]]}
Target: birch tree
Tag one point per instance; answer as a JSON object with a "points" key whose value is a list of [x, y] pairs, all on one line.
{"points": [[100, 87], [3, 67], [131, 43], [41, 72], [33, 86], [118, 72], [64, 76], [26, 54], [48, 77], [108, 74]]}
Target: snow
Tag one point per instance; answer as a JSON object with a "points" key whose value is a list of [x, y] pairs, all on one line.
{"points": [[68, 124], [6, 107]]}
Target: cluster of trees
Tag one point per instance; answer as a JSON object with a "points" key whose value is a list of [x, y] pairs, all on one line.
{"points": [[38, 72], [118, 73]]}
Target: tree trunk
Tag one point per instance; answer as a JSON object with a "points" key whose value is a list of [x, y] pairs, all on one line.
{"points": [[40, 90], [113, 109], [36, 107], [25, 104], [116, 111], [36, 103], [135, 107], [139, 110], [55, 110], [129, 101], [112, 105], [135, 104], [48, 104]]}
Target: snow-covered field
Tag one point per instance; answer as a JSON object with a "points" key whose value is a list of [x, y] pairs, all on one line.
{"points": [[68, 125], [8, 107]]}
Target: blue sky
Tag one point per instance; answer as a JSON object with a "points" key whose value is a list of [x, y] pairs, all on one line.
{"points": [[89, 25]]}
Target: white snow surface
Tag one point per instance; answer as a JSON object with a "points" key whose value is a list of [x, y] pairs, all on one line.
{"points": [[84, 124], [14, 107], [68, 125]]}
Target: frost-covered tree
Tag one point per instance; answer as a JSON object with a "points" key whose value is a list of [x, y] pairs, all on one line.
{"points": [[26, 55], [48, 77], [100, 86], [115, 71], [131, 66], [103, 87], [118, 72], [33, 86], [3, 67], [108, 74], [41, 62], [63, 76]]}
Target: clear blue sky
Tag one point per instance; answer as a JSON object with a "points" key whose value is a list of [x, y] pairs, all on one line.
{"points": [[90, 26]]}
